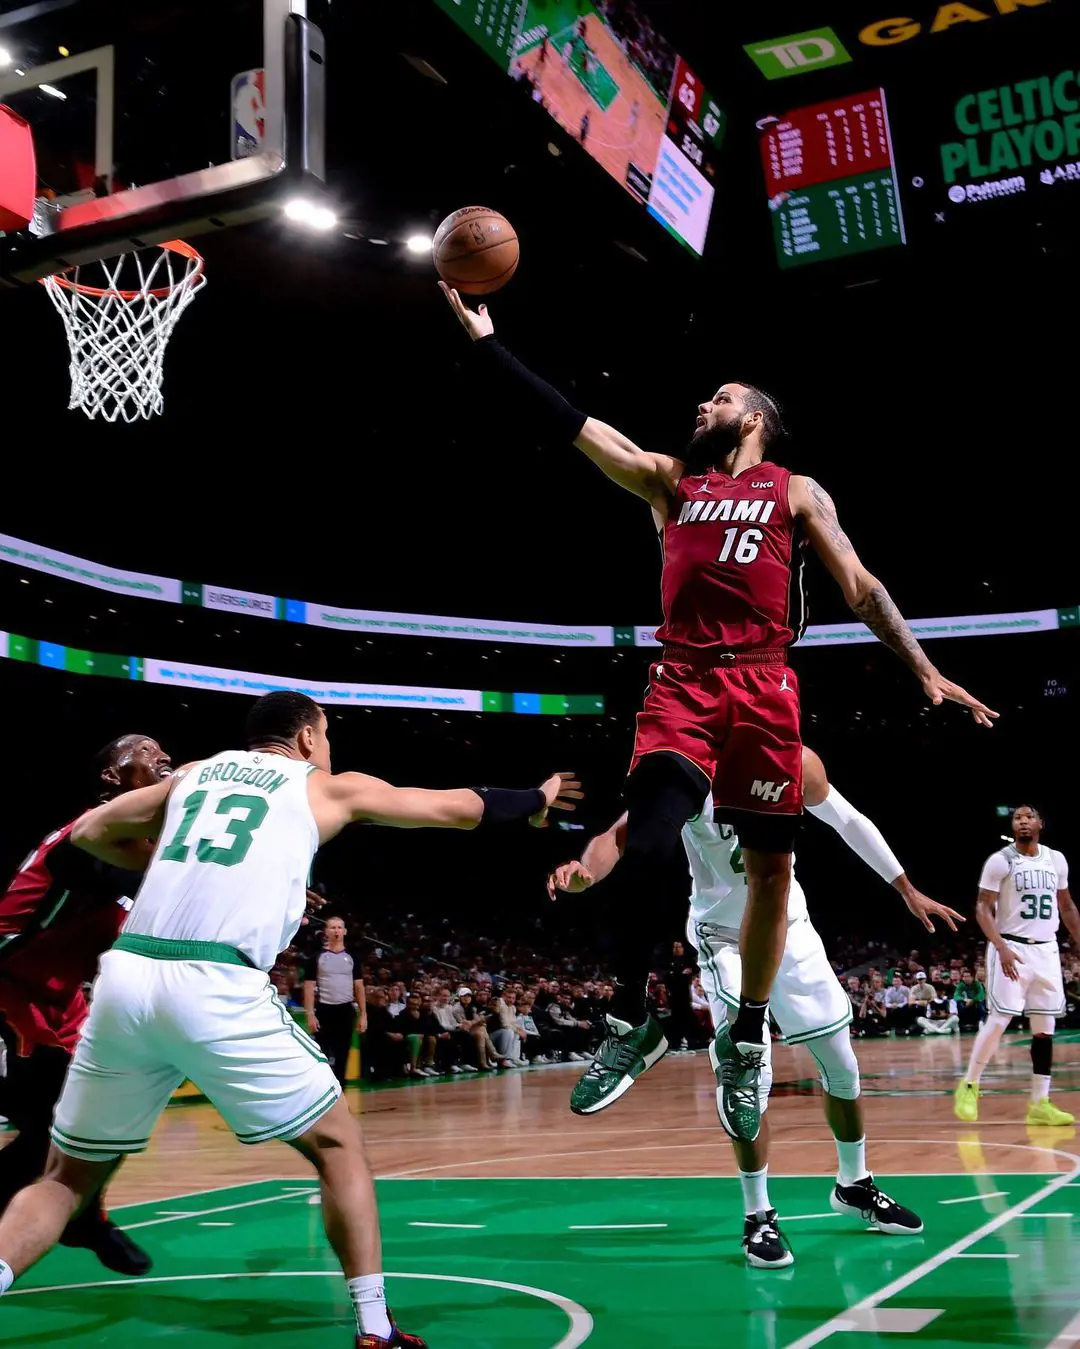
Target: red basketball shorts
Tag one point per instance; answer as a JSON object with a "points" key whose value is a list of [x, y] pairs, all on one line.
{"points": [[738, 722]]}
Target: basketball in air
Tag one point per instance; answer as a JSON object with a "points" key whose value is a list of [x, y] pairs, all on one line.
{"points": [[475, 250]]}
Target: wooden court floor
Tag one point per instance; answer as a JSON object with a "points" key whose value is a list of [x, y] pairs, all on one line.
{"points": [[511, 1224]]}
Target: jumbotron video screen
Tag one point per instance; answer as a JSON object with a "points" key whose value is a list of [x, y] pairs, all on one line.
{"points": [[606, 74]]}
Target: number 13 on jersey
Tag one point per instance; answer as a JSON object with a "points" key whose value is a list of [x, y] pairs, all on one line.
{"points": [[241, 827]]}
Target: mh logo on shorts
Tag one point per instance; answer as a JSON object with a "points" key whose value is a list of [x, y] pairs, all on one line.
{"points": [[769, 791]]}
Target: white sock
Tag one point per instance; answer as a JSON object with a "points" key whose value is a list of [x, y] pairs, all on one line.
{"points": [[7, 1277], [755, 1190], [369, 1303], [851, 1162], [1040, 1088], [983, 1049]]}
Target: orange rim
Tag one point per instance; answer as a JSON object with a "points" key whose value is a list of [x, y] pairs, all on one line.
{"points": [[97, 292]]}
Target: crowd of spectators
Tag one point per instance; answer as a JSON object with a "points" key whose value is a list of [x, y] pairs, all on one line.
{"points": [[444, 1001], [944, 996]]}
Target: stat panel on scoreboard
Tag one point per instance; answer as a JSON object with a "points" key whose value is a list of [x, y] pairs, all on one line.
{"points": [[831, 180]]}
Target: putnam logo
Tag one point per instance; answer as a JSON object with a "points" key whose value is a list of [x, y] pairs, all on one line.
{"points": [[769, 791]]}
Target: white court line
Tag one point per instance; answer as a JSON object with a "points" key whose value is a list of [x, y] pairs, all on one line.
{"points": [[205, 1213], [424, 1171], [1046, 1215], [986, 1255], [801, 1217], [711, 1129], [194, 1194], [217, 1224], [1067, 1337], [974, 1198], [843, 1320], [581, 1323], [827, 1177], [472, 1227], [613, 1227]]}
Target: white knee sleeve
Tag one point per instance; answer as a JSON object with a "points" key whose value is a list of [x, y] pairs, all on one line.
{"points": [[1000, 1021], [1041, 1024], [837, 1064]]}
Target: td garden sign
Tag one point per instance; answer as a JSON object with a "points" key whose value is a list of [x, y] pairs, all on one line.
{"points": [[798, 53], [1014, 127]]}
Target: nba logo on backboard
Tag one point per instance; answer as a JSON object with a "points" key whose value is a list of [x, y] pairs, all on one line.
{"points": [[248, 113]]}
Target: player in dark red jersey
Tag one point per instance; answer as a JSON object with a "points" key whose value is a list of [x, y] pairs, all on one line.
{"points": [[61, 911], [722, 709]]}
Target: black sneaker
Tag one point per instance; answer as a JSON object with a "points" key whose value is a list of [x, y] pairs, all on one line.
{"points": [[865, 1200], [765, 1245], [114, 1248]]}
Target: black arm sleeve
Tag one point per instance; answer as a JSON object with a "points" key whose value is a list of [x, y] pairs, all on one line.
{"points": [[543, 406], [502, 806]]}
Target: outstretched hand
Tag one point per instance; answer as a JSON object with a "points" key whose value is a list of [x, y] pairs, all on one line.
{"points": [[560, 790], [477, 325], [572, 877], [924, 908], [941, 690]]}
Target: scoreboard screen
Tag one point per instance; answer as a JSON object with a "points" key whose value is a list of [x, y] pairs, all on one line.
{"points": [[950, 142], [831, 179], [607, 76]]}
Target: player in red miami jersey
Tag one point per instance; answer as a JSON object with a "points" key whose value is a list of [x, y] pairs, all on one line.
{"points": [[722, 710], [61, 910]]}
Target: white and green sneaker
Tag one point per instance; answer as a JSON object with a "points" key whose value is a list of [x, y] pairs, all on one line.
{"points": [[625, 1053], [738, 1073]]}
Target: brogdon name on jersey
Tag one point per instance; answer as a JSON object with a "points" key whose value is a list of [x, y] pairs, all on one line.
{"points": [[234, 856]]}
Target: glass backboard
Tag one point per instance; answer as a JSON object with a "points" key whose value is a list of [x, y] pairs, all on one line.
{"points": [[152, 121]]}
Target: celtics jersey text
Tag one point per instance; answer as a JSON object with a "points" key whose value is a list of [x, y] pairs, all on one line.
{"points": [[718, 893], [233, 858], [1026, 888]]}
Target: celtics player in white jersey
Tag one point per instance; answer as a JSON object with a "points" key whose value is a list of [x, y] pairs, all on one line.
{"points": [[184, 993], [807, 1000], [1023, 897]]}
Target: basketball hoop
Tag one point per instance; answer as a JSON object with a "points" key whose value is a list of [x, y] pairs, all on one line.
{"points": [[117, 337]]}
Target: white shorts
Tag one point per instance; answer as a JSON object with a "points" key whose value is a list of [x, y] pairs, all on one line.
{"points": [[806, 1000], [1039, 988], [154, 1023]]}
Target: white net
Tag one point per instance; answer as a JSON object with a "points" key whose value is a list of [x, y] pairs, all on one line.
{"points": [[119, 314]]}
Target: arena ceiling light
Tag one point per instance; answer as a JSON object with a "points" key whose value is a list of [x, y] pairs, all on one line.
{"points": [[303, 211], [6, 58], [419, 243]]}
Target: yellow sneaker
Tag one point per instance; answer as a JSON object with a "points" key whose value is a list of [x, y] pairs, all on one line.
{"points": [[966, 1102], [1048, 1115]]}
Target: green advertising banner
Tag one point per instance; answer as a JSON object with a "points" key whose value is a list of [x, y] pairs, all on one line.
{"points": [[330, 692]]}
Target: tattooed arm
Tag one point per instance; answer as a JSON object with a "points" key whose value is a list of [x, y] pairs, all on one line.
{"points": [[868, 598]]}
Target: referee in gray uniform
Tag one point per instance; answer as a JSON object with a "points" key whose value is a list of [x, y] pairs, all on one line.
{"points": [[333, 994]]}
